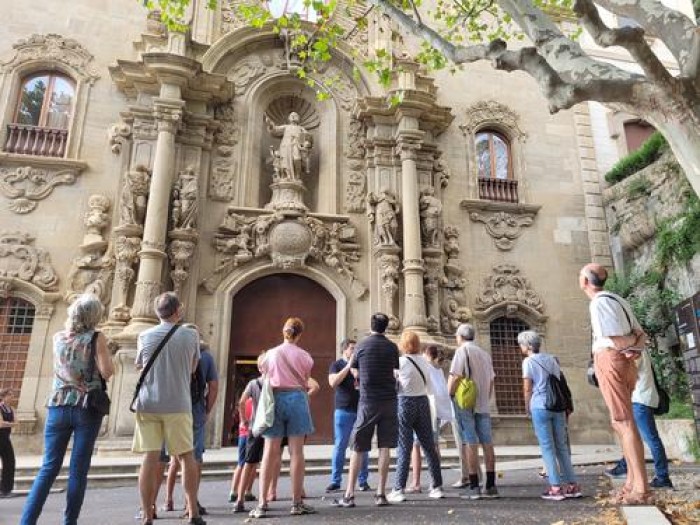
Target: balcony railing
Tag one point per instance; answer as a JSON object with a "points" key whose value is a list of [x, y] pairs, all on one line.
{"points": [[34, 140], [501, 190]]}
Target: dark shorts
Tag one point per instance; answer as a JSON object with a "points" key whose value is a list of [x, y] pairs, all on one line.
{"points": [[382, 415], [254, 449]]}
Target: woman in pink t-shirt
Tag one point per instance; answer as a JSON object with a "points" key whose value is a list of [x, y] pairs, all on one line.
{"points": [[288, 368]]}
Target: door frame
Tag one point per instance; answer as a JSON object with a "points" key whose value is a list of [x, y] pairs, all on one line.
{"points": [[223, 310]]}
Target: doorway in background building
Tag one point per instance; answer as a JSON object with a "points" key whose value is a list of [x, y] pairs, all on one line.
{"points": [[258, 314]]}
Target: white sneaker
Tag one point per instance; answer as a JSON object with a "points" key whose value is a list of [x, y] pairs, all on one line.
{"points": [[396, 496], [436, 493]]}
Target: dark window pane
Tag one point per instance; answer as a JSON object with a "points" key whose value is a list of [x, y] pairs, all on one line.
{"points": [[32, 100]]}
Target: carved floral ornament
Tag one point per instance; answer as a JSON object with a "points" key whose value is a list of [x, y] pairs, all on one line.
{"points": [[20, 260], [503, 227], [55, 48], [505, 287], [492, 113], [25, 185]]}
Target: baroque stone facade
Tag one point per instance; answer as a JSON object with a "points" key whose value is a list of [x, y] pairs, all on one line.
{"points": [[205, 165]]}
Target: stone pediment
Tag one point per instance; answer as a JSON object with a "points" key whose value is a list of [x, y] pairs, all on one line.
{"points": [[507, 288]]}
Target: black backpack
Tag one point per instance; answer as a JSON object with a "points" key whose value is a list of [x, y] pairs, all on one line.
{"points": [[557, 396], [198, 386]]}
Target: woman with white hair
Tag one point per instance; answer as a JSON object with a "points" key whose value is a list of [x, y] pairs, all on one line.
{"points": [[76, 371], [549, 426]]}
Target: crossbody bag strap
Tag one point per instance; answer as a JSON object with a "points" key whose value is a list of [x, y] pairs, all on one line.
{"points": [[149, 365], [627, 315], [93, 356], [467, 368], [425, 383], [294, 371], [541, 365]]}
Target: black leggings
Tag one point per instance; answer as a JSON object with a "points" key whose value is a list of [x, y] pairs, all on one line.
{"points": [[7, 455]]}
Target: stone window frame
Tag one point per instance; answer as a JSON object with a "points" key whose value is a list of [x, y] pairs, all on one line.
{"points": [[54, 54], [490, 115], [32, 383]]}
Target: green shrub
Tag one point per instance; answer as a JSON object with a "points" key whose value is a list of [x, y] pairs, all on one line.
{"points": [[678, 238], [679, 409], [650, 151]]}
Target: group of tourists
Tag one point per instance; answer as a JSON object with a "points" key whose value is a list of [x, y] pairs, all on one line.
{"points": [[395, 395]]}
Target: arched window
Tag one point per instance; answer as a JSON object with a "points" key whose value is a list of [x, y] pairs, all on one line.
{"points": [[493, 155], [507, 363], [494, 167], [16, 322], [43, 115]]}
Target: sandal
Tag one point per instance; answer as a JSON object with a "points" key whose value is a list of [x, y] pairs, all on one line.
{"points": [[637, 498], [620, 493]]}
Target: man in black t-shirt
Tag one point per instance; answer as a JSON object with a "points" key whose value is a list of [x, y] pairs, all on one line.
{"points": [[376, 364], [346, 399]]}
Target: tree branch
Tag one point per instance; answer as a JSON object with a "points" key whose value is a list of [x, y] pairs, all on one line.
{"points": [[672, 27], [631, 38]]}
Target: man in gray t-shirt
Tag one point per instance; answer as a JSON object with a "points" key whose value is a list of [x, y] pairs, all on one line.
{"points": [[164, 405]]}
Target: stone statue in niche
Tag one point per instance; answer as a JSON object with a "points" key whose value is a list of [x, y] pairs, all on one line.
{"points": [[292, 159], [430, 212], [382, 213], [134, 197], [96, 220], [185, 205]]}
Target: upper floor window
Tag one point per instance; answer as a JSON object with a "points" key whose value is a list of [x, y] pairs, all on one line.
{"points": [[46, 101], [43, 116], [303, 8], [494, 167]]}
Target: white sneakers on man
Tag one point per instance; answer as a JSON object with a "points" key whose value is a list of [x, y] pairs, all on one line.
{"points": [[436, 493]]}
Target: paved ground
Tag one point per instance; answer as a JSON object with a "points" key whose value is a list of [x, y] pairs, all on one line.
{"points": [[520, 504]]}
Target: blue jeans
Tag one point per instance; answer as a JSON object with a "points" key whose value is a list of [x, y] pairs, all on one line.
{"points": [[61, 423], [644, 419], [550, 429], [343, 422]]}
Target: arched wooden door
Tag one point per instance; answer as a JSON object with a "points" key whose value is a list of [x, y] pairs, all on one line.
{"points": [[259, 311]]}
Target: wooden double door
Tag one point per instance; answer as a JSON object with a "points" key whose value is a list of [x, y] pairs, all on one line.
{"points": [[258, 314]]}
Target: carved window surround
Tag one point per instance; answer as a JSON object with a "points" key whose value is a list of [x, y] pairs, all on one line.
{"points": [[27, 179], [49, 52], [504, 221]]}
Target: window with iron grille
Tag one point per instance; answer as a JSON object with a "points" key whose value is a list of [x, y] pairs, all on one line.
{"points": [[16, 322], [507, 363]]}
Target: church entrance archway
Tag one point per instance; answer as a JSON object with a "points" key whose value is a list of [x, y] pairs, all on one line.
{"points": [[258, 312]]}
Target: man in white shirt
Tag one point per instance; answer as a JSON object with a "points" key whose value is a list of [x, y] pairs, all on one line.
{"points": [[474, 424], [645, 399], [617, 337]]}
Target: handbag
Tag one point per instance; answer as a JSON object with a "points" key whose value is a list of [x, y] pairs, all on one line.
{"points": [[467, 391], [664, 400], [149, 365], [557, 393], [590, 373], [265, 411], [97, 401]]}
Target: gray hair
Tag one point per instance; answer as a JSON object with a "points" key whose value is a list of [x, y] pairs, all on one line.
{"points": [[84, 314], [166, 304], [465, 331], [530, 339]]}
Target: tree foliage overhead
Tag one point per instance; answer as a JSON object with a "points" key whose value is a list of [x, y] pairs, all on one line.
{"points": [[539, 37]]}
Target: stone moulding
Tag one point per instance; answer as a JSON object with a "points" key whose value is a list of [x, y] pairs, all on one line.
{"points": [[507, 292], [491, 113], [26, 180], [503, 221], [20, 260]]}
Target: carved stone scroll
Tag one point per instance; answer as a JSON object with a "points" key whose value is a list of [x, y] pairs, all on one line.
{"points": [[507, 286], [26, 185], [503, 227], [21, 260], [453, 309]]}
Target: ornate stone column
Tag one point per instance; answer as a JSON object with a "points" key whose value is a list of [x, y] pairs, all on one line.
{"points": [[408, 142], [167, 111]]}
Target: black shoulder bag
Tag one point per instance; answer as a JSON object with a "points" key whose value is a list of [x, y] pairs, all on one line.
{"points": [[98, 402], [557, 394], [149, 365]]}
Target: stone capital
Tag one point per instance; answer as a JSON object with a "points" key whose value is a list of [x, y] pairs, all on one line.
{"points": [[168, 114]]}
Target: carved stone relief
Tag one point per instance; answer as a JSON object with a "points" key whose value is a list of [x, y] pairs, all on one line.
{"points": [[433, 277], [288, 242], [357, 180], [54, 48], [453, 309], [506, 285], [503, 227], [180, 253], [21, 260], [430, 217], [127, 253], [96, 220], [25, 185], [382, 211], [134, 197], [118, 135], [221, 181], [442, 171], [492, 113], [185, 202]]}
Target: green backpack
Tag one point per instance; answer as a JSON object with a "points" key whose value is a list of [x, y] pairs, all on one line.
{"points": [[467, 392]]}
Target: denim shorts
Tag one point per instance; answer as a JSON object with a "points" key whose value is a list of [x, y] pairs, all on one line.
{"points": [[242, 446], [292, 415], [474, 428]]}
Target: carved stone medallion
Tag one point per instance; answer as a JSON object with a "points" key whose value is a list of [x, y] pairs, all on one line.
{"points": [[503, 227], [21, 260], [507, 285]]}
